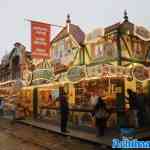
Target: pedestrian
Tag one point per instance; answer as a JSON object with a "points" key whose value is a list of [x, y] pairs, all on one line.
{"points": [[101, 116], [50, 100], [13, 110], [147, 108], [1, 106], [133, 111], [141, 100], [64, 111]]}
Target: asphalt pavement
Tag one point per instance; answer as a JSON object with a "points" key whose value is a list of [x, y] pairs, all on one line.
{"points": [[14, 136]]}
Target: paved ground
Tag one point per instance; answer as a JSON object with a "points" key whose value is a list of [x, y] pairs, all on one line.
{"points": [[22, 137], [74, 133], [143, 133]]}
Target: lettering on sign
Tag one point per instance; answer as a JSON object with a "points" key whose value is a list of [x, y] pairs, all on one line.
{"points": [[93, 71], [76, 74], [139, 72], [40, 39], [104, 51], [42, 74], [108, 70]]}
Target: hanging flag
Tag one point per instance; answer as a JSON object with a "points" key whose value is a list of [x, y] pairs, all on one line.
{"points": [[40, 39]]}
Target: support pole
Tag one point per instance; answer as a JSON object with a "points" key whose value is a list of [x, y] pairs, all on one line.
{"points": [[55, 25], [35, 103]]}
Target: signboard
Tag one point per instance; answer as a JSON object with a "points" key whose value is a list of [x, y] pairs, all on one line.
{"points": [[98, 51], [108, 70], [44, 75], [62, 52], [58, 68], [40, 39], [76, 74], [104, 51], [57, 50], [67, 57], [93, 71], [139, 72]]}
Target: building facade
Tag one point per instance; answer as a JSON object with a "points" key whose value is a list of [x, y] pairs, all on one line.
{"points": [[15, 65]]}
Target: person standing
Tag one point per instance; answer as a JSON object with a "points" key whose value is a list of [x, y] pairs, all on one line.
{"points": [[13, 109], [50, 99], [147, 108], [64, 111], [133, 107], [141, 98], [1, 106], [100, 114]]}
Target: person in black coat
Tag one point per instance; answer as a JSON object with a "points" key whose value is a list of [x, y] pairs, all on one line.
{"points": [[141, 100], [132, 99], [100, 113], [64, 111], [133, 108]]}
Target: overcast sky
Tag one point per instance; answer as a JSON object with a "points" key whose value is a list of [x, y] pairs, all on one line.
{"points": [[88, 14]]}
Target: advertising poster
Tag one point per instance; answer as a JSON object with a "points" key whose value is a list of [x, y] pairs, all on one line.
{"points": [[40, 39]]}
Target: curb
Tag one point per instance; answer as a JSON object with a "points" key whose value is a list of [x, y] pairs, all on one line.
{"points": [[63, 134]]}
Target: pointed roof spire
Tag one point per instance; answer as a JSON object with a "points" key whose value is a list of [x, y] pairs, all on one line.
{"points": [[68, 19], [125, 15]]}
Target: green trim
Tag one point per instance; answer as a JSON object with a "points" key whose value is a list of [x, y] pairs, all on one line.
{"points": [[87, 52], [80, 56], [134, 60], [83, 51], [126, 65], [76, 56], [108, 61]]}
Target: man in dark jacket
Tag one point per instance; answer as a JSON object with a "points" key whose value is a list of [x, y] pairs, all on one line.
{"points": [[100, 113], [141, 98], [133, 108], [64, 111]]}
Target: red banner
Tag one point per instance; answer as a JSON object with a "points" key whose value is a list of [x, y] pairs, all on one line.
{"points": [[40, 39]]}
